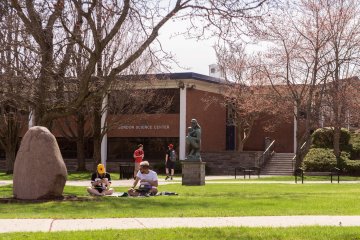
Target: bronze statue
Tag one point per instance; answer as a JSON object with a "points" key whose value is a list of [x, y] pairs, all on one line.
{"points": [[193, 141]]}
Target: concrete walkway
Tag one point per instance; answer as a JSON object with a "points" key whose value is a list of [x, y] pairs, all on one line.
{"points": [[215, 180], [123, 183], [51, 225]]}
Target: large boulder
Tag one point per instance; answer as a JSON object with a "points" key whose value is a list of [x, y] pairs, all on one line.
{"points": [[39, 171]]}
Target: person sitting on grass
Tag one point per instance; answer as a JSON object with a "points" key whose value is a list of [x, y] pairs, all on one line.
{"points": [[148, 181], [100, 181]]}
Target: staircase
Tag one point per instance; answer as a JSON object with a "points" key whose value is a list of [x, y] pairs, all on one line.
{"points": [[279, 164]]}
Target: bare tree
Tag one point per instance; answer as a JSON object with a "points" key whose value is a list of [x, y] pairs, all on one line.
{"points": [[246, 96], [343, 27], [125, 98], [12, 110], [297, 59], [52, 38], [56, 30]]}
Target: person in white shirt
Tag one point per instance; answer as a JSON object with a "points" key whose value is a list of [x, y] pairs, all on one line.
{"points": [[148, 181]]}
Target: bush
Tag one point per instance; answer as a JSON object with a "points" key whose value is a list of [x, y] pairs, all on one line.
{"points": [[323, 159], [352, 167], [323, 138], [355, 143]]}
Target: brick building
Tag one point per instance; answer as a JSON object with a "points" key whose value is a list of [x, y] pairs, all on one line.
{"points": [[190, 94]]}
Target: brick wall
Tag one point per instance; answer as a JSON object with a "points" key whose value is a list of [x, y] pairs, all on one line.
{"points": [[283, 134], [223, 163], [211, 119]]}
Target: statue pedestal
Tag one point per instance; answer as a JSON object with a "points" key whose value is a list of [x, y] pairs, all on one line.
{"points": [[193, 173]]}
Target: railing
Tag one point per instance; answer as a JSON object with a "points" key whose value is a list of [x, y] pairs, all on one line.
{"points": [[266, 155], [300, 152]]}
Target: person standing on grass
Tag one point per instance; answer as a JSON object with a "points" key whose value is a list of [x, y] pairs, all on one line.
{"points": [[148, 181], [138, 158], [100, 182], [170, 159]]}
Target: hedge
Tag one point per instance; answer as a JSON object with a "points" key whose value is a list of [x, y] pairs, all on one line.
{"points": [[355, 146], [323, 138], [319, 159], [323, 159]]}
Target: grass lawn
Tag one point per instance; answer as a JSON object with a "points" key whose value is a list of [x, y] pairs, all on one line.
{"points": [[287, 178], [298, 233], [4, 176], [75, 176], [212, 200]]}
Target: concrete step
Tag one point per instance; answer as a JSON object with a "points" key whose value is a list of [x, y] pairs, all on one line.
{"points": [[279, 164], [278, 173], [286, 162]]}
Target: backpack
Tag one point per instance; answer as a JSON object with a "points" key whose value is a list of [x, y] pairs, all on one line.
{"points": [[144, 187], [172, 155]]}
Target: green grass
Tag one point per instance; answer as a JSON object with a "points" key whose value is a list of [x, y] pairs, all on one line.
{"points": [[4, 176], [73, 176], [294, 233], [287, 178], [212, 200]]}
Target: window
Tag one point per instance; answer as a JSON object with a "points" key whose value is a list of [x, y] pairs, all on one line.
{"points": [[145, 101], [154, 148]]}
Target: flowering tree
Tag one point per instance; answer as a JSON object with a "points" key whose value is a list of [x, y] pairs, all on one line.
{"points": [[247, 97]]}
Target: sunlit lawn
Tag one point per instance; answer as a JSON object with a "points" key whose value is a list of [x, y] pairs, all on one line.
{"points": [[287, 178], [298, 233], [73, 176], [76, 176], [211, 200]]}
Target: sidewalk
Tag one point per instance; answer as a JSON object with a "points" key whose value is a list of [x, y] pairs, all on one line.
{"points": [[51, 225], [123, 183], [215, 180]]}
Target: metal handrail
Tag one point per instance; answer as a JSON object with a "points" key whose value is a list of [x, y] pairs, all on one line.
{"points": [[294, 158], [266, 155]]}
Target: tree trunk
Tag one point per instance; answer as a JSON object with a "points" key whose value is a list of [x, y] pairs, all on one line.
{"points": [[80, 155], [11, 142], [336, 142], [80, 145], [10, 159], [241, 138], [97, 131], [240, 135]]}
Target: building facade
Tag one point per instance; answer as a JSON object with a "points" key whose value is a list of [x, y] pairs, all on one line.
{"points": [[193, 96]]}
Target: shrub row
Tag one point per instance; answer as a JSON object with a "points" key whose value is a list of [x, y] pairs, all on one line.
{"points": [[323, 159], [323, 138], [355, 145]]}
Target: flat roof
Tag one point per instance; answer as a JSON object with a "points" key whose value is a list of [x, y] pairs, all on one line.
{"points": [[177, 76]]}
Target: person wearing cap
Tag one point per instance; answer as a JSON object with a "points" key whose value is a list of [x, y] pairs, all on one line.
{"points": [[170, 159], [148, 181], [100, 182], [138, 157]]}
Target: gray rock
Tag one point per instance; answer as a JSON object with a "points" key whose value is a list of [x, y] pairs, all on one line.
{"points": [[39, 171]]}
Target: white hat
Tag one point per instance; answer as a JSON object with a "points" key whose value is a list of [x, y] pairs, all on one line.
{"points": [[144, 163]]}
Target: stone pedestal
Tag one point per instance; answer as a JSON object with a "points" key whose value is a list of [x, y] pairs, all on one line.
{"points": [[193, 173]]}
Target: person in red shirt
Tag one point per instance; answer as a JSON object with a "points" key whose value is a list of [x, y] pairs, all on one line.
{"points": [[138, 157], [170, 159]]}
